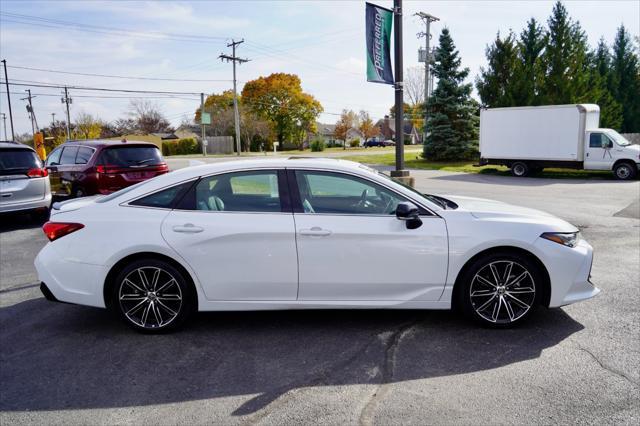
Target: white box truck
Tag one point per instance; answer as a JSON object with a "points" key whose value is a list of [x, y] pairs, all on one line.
{"points": [[528, 139]]}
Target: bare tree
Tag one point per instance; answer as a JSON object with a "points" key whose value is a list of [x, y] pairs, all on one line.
{"points": [[147, 117], [414, 85]]}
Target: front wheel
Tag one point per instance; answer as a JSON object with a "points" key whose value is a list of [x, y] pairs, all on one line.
{"points": [[152, 296], [501, 290], [624, 171]]}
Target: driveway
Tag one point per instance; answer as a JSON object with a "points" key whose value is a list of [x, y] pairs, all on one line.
{"points": [[578, 364]]}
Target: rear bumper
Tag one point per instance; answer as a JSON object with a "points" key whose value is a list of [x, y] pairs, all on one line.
{"points": [[26, 205]]}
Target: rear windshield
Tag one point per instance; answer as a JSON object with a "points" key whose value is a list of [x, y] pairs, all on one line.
{"points": [[17, 161], [127, 156]]}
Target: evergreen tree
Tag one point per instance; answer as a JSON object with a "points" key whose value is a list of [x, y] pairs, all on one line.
{"points": [[625, 80], [529, 73], [452, 125], [495, 84], [600, 83], [565, 59]]}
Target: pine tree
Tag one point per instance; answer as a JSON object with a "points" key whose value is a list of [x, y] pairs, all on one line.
{"points": [[452, 125], [600, 82], [495, 84], [529, 72], [625, 80], [565, 59]]}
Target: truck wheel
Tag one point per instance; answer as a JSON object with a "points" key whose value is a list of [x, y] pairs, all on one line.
{"points": [[519, 169], [624, 171]]}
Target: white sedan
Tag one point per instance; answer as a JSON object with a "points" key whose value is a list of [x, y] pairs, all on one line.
{"points": [[305, 234]]}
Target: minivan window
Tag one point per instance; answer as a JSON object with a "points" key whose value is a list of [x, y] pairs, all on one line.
{"points": [[132, 155], [54, 158], [69, 155], [17, 161], [84, 154]]}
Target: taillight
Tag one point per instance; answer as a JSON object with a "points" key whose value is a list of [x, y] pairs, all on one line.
{"points": [[36, 172], [55, 230], [107, 169]]}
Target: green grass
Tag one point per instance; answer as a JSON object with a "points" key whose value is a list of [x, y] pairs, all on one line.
{"points": [[413, 161]]}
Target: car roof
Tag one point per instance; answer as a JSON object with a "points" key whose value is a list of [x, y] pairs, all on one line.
{"points": [[97, 143], [14, 145]]}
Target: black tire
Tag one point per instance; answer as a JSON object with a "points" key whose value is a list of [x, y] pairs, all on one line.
{"points": [[520, 169], [625, 171], [168, 300], [78, 192], [509, 300]]}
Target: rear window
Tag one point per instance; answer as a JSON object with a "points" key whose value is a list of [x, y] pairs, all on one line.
{"points": [[127, 156], [17, 161]]}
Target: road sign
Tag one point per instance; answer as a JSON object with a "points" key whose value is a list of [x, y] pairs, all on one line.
{"points": [[205, 118]]}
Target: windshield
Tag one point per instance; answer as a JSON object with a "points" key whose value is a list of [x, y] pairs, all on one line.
{"points": [[442, 202], [18, 161], [127, 156], [618, 138]]}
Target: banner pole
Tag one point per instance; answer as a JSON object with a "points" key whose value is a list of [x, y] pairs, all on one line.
{"points": [[399, 89]]}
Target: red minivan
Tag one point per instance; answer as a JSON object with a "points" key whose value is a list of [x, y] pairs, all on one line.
{"points": [[80, 168]]}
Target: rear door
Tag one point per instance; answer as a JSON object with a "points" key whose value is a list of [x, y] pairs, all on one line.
{"points": [[236, 230], [15, 185]]}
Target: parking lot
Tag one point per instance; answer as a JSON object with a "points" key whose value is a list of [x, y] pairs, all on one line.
{"points": [[68, 364]]}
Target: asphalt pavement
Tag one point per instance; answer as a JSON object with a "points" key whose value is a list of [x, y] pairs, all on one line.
{"points": [[65, 364]]}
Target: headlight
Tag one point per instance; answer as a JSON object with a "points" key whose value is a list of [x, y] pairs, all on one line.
{"points": [[569, 239]]}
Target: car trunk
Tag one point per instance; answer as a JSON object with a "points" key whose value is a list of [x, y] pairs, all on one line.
{"points": [[125, 165], [16, 186]]}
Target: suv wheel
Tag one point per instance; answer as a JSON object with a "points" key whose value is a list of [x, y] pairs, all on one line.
{"points": [[624, 171], [501, 290], [152, 296]]}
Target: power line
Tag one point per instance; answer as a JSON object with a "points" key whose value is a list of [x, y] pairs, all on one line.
{"points": [[114, 76], [102, 89]]}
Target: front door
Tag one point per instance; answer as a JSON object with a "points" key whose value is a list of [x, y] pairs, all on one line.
{"points": [[351, 246], [236, 231], [598, 152]]}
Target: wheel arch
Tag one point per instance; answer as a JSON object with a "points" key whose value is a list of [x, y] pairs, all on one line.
{"points": [[623, 160], [109, 280], [546, 296]]}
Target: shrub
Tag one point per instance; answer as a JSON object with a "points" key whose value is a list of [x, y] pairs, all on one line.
{"points": [[181, 147], [317, 145], [354, 143]]}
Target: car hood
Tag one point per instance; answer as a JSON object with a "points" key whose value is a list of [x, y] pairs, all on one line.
{"points": [[482, 208]]}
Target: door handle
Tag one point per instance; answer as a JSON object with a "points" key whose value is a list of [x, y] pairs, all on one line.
{"points": [[188, 228], [315, 232]]}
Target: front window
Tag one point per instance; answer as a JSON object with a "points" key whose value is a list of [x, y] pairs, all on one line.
{"points": [[618, 138], [337, 193]]}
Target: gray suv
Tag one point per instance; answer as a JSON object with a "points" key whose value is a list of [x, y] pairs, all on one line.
{"points": [[24, 182]]}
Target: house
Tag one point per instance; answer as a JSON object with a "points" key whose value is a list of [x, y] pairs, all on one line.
{"points": [[387, 128], [325, 131], [355, 134]]}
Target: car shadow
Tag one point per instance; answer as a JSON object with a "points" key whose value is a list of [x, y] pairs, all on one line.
{"points": [[21, 220], [58, 356]]}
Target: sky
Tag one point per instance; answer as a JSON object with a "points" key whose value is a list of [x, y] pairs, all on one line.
{"points": [[323, 42]]}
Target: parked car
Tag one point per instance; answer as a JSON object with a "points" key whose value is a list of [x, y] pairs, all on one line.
{"points": [[296, 234], [376, 142], [527, 139], [24, 182], [80, 168]]}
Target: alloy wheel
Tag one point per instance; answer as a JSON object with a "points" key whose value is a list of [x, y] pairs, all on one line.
{"points": [[150, 297], [502, 292]]}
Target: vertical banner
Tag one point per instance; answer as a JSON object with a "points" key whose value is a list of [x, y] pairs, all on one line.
{"points": [[38, 144], [378, 29]]}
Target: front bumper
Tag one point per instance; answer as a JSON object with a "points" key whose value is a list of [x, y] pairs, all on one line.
{"points": [[569, 271]]}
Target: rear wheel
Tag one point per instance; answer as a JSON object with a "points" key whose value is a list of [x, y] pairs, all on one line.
{"points": [[520, 169], [152, 296], [78, 192], [501, 290], [625, 171]]}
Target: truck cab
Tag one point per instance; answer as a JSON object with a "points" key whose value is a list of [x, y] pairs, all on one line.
{"points": [[606, 149]]}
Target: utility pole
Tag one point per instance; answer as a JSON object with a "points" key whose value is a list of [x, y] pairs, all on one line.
{"points": [[204, 137], [4, 125], [67, 100], [399, 172], [32, 115], [427, 19], [235, 59], [53, 120], [6, 82]]}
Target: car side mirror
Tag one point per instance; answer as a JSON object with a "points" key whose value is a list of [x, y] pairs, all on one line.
{"points": [[409, 213], [607, 144]]}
